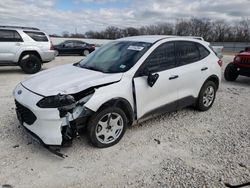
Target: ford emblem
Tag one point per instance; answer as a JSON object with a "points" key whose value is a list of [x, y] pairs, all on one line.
{"points": [[19, 92]]}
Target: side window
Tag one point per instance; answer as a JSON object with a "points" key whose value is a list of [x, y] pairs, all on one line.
{"points": [[79, 44], [186, 53], [37, 36], [10, 36], [69, 44], [203, 51], [162, 58]]}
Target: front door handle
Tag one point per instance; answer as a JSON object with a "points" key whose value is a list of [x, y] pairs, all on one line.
{"points": [[173, 77], [204, 68]]}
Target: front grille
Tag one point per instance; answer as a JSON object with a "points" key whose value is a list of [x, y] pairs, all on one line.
{"points": [[24, 114], [245, 60]]}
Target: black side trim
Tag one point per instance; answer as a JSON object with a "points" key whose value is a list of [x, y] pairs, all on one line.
{"points": [[162, 109], [8, 63], [173, 106], [185, 102]]}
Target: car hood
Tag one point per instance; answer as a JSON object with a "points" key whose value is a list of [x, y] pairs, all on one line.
{"points": [[67, 79]]}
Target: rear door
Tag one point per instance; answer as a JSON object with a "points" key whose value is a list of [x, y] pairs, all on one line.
{"points": [[193, 70], [79, 46], [10, 43], [164, 93]]}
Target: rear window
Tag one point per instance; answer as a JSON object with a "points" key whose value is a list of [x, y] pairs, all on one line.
{"points": [[203, 51], [186, 53], [10, 36], [37, 36]]}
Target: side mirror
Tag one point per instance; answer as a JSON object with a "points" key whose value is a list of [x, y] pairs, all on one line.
{"points": [[152, 78]]}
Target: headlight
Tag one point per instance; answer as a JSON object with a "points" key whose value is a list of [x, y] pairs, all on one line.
{"points": [[58, 101]]}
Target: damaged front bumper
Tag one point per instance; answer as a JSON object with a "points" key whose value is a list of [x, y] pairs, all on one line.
{"points": [[45, 124]]}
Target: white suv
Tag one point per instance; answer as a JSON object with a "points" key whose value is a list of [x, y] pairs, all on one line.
{"points": [[25, 47], [121, 83]]}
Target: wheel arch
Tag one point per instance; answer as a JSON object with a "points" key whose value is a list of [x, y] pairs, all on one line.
{"points": [[214, 79], [33, 52], [123, 104]]}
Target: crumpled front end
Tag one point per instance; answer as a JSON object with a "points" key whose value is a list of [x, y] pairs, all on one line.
{"points": [[52, 126]]}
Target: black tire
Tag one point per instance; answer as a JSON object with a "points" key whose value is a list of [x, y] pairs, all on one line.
{"points": [[231, 73], [200, 102], [94, 123], [30, 63], [85, 52]]}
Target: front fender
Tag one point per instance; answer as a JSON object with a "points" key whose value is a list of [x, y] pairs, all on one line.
{"points": [[107, 93]]}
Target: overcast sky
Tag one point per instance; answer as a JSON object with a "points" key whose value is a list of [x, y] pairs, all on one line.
{"points": [[56, 16]]}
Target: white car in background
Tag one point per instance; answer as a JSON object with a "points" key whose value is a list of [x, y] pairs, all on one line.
{"points": [[121, 83], [26, 47]]}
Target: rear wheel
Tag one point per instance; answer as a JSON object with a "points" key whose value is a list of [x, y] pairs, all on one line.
{"points": [[231, 73], [107, 127], [30, 63], [56, 53], [206, 96], [85, 52]]}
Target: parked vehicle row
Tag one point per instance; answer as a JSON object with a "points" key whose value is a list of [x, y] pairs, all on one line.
{"points": [[26, 47], [29, 48], [123, 82]]}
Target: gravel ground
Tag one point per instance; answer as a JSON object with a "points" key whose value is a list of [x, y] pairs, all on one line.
{"points": [[180, 149]]}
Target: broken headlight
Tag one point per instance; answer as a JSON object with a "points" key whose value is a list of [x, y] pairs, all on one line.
{"points": [[58, 101]]}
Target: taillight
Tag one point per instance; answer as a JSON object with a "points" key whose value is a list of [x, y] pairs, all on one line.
{"points": [[220, 62], [51, 46]]}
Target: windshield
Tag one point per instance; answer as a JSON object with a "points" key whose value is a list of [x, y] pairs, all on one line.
{"points": [[115, 57]]}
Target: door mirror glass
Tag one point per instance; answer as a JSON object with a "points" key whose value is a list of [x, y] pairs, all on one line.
{"points": [[152, 78]]}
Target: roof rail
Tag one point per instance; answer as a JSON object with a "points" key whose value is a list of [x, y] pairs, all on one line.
{"points": [[19, 27]]}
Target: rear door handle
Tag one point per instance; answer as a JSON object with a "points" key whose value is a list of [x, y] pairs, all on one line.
{"points": [[173, 77], [204, 68]]}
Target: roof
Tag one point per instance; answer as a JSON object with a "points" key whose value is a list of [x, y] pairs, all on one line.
{"points": [[146, 38], [18, 28], [155, 38]]}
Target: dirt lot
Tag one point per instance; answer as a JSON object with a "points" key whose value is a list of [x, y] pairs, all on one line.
{"points": [[180, 149]]}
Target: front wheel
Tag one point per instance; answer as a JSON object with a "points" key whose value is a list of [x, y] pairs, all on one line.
{"points": [[231, 73], [107, 127], [30, 63], [206, 96]]}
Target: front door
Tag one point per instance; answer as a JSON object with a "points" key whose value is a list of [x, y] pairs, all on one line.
{"points": [[164, 91]]}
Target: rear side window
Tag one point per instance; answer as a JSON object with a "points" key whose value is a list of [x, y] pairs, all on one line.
{"points": [[162, 58], [37, 36], [79, 44], [203, 51], [186, 53], [10, 36]]}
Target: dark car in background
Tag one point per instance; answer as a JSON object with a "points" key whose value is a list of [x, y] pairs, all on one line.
{"points": [[74, 47]]}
